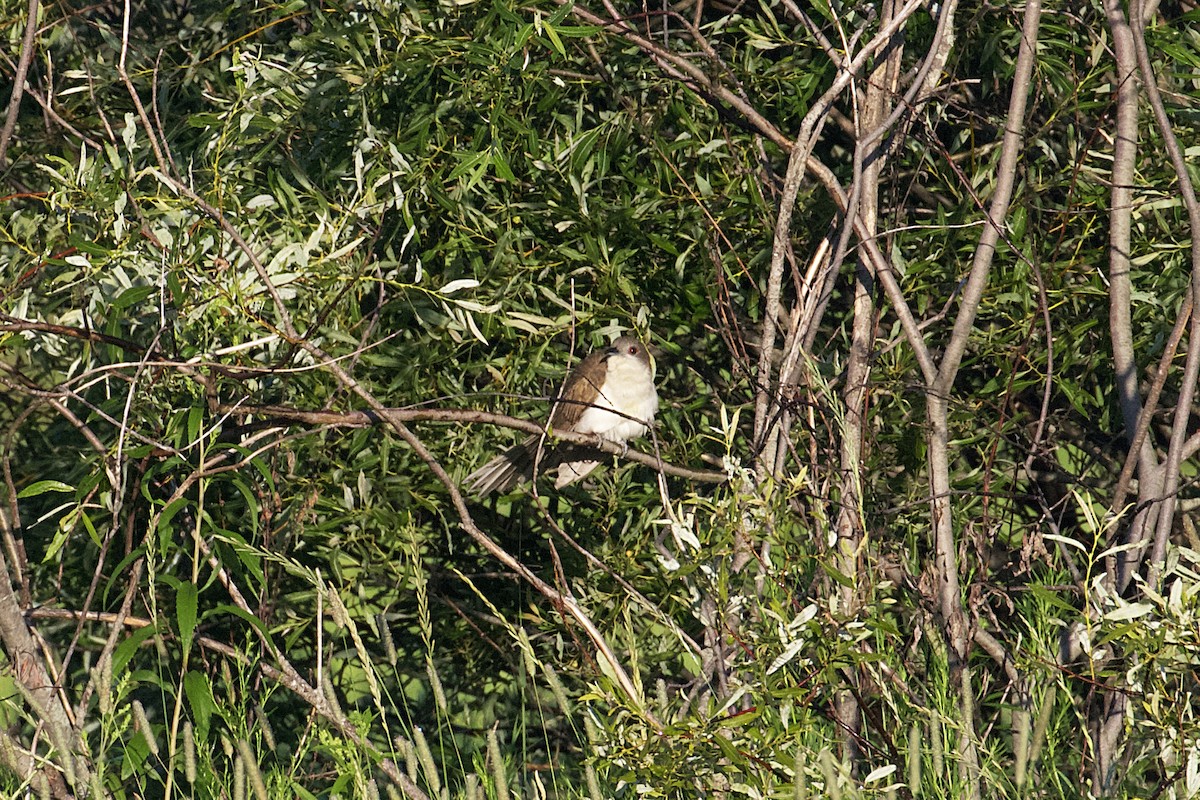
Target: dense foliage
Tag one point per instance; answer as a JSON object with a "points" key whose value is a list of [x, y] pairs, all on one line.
{"points": [[900, 557]]}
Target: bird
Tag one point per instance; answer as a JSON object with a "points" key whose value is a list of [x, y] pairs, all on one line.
{"points": [[610, 394]]}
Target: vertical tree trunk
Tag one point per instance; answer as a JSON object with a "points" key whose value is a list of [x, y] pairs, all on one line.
{"points": [[937, 399], [1107, 714], [876, 101]]}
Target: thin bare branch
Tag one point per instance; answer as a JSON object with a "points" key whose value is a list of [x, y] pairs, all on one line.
{"points": [[14, 100], [274, 415]]}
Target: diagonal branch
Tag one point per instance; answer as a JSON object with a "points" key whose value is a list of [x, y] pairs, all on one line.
{"points": [[274, 415], [800, 152]]}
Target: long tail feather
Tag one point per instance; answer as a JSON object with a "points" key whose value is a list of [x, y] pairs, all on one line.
{"points": [[516, 464]]}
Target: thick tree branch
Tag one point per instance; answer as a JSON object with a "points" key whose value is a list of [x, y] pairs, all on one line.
{"points": [[1191, 368], [1120, 293], [937, 398], [28, 671], [14, 100]]}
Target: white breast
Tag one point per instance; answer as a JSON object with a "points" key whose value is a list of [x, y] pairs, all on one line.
{"points": [[628, 388]]}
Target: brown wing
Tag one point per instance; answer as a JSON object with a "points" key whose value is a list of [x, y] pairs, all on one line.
{"points": [[580, 390]]}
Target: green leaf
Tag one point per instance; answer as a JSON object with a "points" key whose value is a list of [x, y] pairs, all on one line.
{"points": [[468, 162], [185, 612], [133, 296], [226, 608], [740, 719], [135, 753], [200, 699], [174, 286], [61, 534], [166, 530], [838, 576], [195, 420], [500, 164], [41, 487], [91, 529], [10, 708], [552, 35], [1128, 611], [252, 512], [125, 650]]}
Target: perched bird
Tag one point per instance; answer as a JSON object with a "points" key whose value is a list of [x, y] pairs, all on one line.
{"points": [[611, 394]]}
